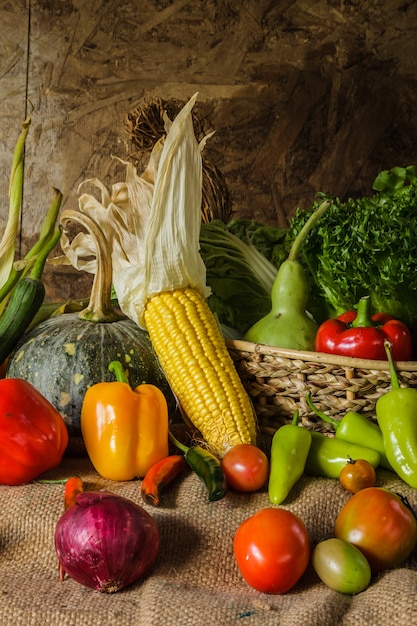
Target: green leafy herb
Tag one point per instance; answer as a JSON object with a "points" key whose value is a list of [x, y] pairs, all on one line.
{"points": [[366, 246], [395, 178]]}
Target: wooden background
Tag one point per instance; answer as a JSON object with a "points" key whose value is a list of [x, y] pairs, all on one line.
{"points": [[304, 95]]}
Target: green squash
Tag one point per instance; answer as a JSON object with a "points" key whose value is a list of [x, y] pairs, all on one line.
{"points": [[65, 355]]}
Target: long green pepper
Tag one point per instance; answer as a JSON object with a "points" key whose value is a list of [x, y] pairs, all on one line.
{"points": [[396, 413], [207, 467], [289, 450], [328, 456], [356, 428]]}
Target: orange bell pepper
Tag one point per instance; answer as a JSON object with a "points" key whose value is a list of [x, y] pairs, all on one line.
{"points": [[125, 430]]}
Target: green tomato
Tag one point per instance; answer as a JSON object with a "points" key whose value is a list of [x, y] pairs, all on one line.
{"points": [[341, 566]]}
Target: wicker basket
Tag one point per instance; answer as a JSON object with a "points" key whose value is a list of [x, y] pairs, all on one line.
{"points": [[278, 380]]}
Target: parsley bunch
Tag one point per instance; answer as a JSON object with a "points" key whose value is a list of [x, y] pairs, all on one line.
{"points": [[365, 246]]}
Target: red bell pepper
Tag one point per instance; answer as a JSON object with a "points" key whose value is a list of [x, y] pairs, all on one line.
{"points": [[33, 434], [356, 334]]}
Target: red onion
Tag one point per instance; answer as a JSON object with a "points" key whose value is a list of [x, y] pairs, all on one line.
{"points": [[105, 541]]}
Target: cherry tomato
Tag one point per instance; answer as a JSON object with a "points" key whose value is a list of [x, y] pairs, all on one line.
{"points": [[380, 524], [357, 474], [246, 467], [341, 566], [272, 550]]}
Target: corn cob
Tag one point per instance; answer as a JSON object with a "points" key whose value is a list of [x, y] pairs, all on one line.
{"points": [[155, 245], [199, 368]]}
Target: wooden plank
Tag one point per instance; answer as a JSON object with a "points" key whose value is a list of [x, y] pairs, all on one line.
{"points": [[353, 144], [286, 129], [288, 87]]}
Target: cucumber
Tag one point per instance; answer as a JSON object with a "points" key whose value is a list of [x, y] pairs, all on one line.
{"points": [[25, 301]]}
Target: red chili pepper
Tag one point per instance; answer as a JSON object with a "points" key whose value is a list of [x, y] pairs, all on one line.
{"points": [[160, 475], [73, 486], [356, 334], [33, 435]]}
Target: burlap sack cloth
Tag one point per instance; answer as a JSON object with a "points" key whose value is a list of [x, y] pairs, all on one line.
{"points": [[195, 580]]}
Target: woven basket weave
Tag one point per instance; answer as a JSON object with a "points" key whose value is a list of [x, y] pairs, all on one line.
{"points": [[278, 380]]}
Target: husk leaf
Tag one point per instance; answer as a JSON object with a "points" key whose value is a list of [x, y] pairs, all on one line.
{"points": [[151, 222]]}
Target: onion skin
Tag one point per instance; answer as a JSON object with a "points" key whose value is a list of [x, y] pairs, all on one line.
{"points": [[105, 541]]}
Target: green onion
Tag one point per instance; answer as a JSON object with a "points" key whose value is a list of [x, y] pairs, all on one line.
{"points": [[8, 242]]}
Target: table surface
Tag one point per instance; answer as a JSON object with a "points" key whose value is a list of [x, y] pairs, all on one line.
{"points": [[195, 579]]}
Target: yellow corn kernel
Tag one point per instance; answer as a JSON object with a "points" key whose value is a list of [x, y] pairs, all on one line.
{"points": [[192, 351]]}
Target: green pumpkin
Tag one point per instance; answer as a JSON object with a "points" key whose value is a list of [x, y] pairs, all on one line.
{"points": [[65, 355]]}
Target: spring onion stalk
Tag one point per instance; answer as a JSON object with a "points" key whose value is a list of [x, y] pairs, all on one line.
{"points": [[46, 237], [8, 241]]}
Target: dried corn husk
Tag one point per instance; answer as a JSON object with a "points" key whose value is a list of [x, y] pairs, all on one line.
{"points": [[151, 222], [145, 125]]}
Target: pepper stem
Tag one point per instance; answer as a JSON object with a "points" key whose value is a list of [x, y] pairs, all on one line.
{"points": [[363, 315], [320, 414], [178, 444], [299, 240], [52, 481], [393, 374], [119, 371], [295, 418]]}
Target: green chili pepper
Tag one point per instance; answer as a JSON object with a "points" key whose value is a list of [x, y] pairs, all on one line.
{"points": [[396, 412], [289, 450], [207, 467], [328, 456], [357, 429]]}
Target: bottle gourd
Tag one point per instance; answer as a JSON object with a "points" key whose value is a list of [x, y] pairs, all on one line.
{"points": [[288, 324]]}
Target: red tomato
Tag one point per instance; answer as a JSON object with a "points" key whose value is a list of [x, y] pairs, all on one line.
{"points": [[246, 467], [272, 550], [356, 475], [378, 522]]}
